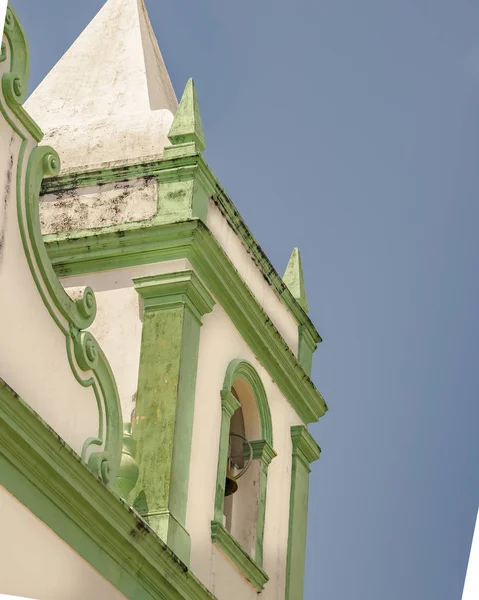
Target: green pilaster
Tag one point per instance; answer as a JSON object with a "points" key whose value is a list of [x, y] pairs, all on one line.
{"points": [[305, 451], [173, 306]]}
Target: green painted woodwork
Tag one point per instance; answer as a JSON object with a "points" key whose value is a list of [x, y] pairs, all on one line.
{"points": [[88, 363], [305, 451], [51, 481], [262, 451], [294, 278], [186, 164], [192, 240], [173, 306], [187, 127], [244, 563]]}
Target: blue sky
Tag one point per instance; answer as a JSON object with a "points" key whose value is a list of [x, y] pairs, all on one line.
{"points": [[351, 129]]}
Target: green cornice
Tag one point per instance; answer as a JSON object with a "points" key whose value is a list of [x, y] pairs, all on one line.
{"points": [[177, 169], [243, 561], [304, 445], [44, 474], [168, 290], [262, 451], [192, 240]]}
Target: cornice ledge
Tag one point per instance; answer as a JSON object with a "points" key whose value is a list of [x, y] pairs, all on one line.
{"points": [[46, 475], [169, 289], [304, 445]]}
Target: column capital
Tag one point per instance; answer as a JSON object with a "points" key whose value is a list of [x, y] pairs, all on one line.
{"points": [[170, 290]]}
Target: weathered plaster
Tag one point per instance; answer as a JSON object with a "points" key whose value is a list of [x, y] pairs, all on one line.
{"points": [[109, 98], [99, 206]]}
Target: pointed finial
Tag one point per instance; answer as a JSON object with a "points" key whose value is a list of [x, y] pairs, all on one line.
{"points": [[187, 125], [294, 279]]}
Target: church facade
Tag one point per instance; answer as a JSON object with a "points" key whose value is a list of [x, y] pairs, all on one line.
{"points": [[155, 386]]}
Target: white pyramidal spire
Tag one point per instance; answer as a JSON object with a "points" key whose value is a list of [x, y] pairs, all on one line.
{"points": [[109, 99]]}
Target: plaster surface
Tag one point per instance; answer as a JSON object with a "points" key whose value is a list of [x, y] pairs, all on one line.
{"points": [[220, 343], [109, 98], [37, 564], [99, 206]]}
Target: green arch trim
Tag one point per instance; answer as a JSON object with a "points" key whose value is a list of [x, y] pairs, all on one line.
{"points": [[87, 361], [241, 369]]}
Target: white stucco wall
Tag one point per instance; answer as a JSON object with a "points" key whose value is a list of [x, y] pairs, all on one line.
{"points": [[33, 354], [118, 328], [221, 343], [471, 585], [253, 277], [36, 563]]}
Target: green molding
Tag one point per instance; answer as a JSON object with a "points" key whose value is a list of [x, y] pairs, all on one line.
{"points": [[306, 348], [14, 83], [305, 451], [162, 429], [87, 361], [241, 369], [184, 167], [262, 449], [171, 290], [50, 480], [241, 559], [192, 240]]}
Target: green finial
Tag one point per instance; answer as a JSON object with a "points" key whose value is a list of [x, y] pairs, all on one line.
{"points": [[294, 279], [187, 125]]}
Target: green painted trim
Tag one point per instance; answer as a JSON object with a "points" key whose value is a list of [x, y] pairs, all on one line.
{"points": [[46, 476], [305, 451], [14, 83], [163, 423], [181, 168], [192, 240], [241, 559], [306, 348], [87, 361], [170, 290], [187, 127], [241, 369], [262, 449]]}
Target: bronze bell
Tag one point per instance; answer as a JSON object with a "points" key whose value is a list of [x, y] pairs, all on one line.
{"points": [[231, 484]]}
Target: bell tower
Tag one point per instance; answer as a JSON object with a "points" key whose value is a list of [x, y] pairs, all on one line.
{"points": [[210, 347]]}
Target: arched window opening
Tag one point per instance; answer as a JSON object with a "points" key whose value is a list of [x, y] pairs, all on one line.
{"points": [[243, 473], [245, 451]]}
